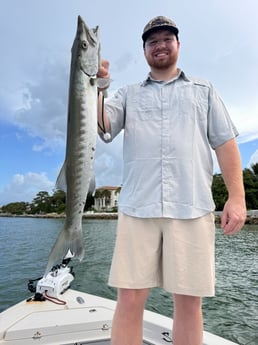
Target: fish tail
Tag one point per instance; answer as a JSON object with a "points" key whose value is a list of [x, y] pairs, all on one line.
{"points": [[61, 247]]}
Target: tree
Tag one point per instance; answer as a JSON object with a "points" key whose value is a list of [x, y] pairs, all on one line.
{"points": [[254, 168], [58, 201], [251, 186], [41, 203], [18, 208], [250, 180], [219, 191]]}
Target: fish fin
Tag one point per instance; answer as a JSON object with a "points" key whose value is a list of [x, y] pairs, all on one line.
{"points": [[62, 246], [61, 179], [92, 186]]}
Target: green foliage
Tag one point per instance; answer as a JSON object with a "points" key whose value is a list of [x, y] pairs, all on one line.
{"points": [[251, 186], [43, 203], [102, 193], [254, 168], [18, 208], [250, 179], [219, 191], [58, 201]]}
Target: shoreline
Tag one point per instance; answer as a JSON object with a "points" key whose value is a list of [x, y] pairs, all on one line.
{"points": [[250, 219], [97, 215]]}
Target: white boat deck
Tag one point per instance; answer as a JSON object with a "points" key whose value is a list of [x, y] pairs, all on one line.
{"points": [[84, 319]]}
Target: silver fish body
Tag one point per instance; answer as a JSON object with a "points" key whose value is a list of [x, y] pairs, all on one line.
{"points": [[77, 173]]}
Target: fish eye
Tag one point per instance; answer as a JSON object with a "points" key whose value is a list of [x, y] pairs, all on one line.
{"points": [[84, 45]]}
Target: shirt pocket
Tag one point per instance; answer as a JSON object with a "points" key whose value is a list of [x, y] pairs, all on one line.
{"points": [[193, 103], [148, 107]]}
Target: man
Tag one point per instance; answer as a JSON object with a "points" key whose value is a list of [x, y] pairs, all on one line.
{"points": [[165, 234]]}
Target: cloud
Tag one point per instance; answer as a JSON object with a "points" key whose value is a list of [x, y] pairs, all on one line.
{"points": [[246, 122], [254, 158], [25, 187], [44, 110]]}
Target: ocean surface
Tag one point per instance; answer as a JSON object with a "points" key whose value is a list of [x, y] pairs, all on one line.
{"points": [[233, 314]]}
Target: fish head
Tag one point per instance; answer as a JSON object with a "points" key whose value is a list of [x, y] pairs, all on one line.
{"points": [[86, 48]]}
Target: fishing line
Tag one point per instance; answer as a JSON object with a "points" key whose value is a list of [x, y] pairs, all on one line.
{"points": [[106, 135], [103, 129]]}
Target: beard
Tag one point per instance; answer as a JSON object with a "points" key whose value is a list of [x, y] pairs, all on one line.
{"points": [[162, 64]]}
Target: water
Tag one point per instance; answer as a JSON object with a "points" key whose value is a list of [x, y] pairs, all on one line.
{"points": [[233, 314]]}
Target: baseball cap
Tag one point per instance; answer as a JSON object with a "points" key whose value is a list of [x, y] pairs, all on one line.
{"points": [[157, 23]]}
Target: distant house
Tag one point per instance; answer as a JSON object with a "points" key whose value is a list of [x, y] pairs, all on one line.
{"points": [[105, 198]]}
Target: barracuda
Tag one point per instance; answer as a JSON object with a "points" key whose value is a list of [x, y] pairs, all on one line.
{"points": [[76, 175]]}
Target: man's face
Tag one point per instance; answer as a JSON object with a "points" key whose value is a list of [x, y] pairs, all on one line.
{"points": [[161, 49]]}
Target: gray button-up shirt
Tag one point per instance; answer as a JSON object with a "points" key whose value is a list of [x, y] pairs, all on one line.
{"points": [[169, 128]]}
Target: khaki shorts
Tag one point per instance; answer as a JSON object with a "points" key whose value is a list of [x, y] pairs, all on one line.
{"points": [[175, 254]]}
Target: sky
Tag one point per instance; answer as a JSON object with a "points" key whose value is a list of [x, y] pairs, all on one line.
{"points": [[219, 42]]}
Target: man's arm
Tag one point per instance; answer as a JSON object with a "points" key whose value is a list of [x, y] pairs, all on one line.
{"points": [[234, 212]]}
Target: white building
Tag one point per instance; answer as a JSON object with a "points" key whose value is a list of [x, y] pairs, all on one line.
{"points": [[105, 198]]}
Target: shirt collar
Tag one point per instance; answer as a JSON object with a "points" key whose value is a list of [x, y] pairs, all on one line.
{"points": [[149, 79]]}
